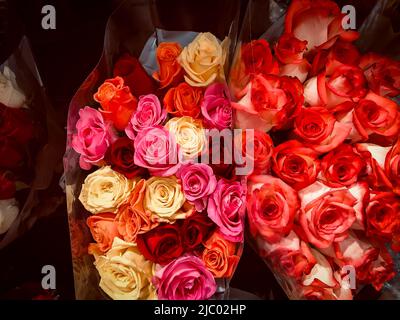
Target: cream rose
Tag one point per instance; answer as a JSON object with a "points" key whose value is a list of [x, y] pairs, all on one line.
{"points": [[8, 213], [203, 60], [124, 273], [105, 190], [189, 135], [10, 95], [164, 198]]}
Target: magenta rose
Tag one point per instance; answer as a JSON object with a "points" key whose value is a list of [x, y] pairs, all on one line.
{"points": [[148, 114], [225, 209], [186, 278], [198, 182], [93, 137], [216, 108], [157, 150]]}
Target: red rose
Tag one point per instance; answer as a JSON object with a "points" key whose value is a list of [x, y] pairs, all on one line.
{"points": [[319, 22], [382, 73], [257, 58], [382, 215], [196, 229], [12, 154], [345, 83], [104, 229], [326, 214], [7, 187], [376, 115], [269, 102], [392, 166], [116, 101], [16, 124], [342, 167], [121, 157], [134, 75], [161, 245], [289, 49], [317, 128], [295, 164], [271, 207]]}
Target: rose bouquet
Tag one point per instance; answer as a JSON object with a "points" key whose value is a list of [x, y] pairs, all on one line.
{"points": [[26, 166], [323, 199], [151, 215]]}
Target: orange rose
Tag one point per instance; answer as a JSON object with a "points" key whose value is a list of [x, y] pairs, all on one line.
{"points": [[132, 219], [219, 256], [104, 229], [170, 71], [183, 100], [117, 102]]}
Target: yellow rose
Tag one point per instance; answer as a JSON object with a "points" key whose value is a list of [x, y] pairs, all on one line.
{"points": [[189, 135], [124, 273], [203, 60], [165, 199], [105, 190]]}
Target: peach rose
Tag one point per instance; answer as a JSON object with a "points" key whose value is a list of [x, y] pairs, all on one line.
{"points": [[103, 229]]}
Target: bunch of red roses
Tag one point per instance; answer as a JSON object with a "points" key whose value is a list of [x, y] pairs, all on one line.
{"points": [[165, 225], [324, 196]]}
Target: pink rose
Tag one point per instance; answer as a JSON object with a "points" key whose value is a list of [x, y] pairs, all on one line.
{"points": [[198, 182], [156, 150], [93, 137], [216, 108], [148, 114], [185, 279], [225, 209]]}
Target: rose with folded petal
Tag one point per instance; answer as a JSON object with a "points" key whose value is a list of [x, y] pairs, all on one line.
{"points": [[326, 214], [203, 60], [271, 207], [376, 115], [225, 209], [295, 164], [103, 228], [92, 139], [382, 73], [216, 108], [165, 199], [317, 128], [132, 219], [124, 273], [8, 213], [105, 190], [117, 102], [186, 278], [135, 76], [220, 256], [16, 124], [198, 183], [149, 113], [10, 94], [319, 22], [195, 230], [342, 167], [392, 166], [183, 100], [269, 101], [189, 134], [161, 245], [257, 58], [156, 149], [170, 71]]}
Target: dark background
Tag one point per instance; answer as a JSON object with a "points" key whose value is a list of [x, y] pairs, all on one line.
{"points": [[65, 56]]}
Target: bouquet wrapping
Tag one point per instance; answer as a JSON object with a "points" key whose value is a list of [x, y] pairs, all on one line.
{"points": [[323, 203], [28, 152], [151, 215]]}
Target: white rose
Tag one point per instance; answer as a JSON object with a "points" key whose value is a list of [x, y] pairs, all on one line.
{"points": [[8, 213], [10, 95]]}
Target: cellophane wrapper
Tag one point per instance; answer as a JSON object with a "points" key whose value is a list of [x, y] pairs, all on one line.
{"points": [[265, 19], [136, 28], [37, 193]]}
